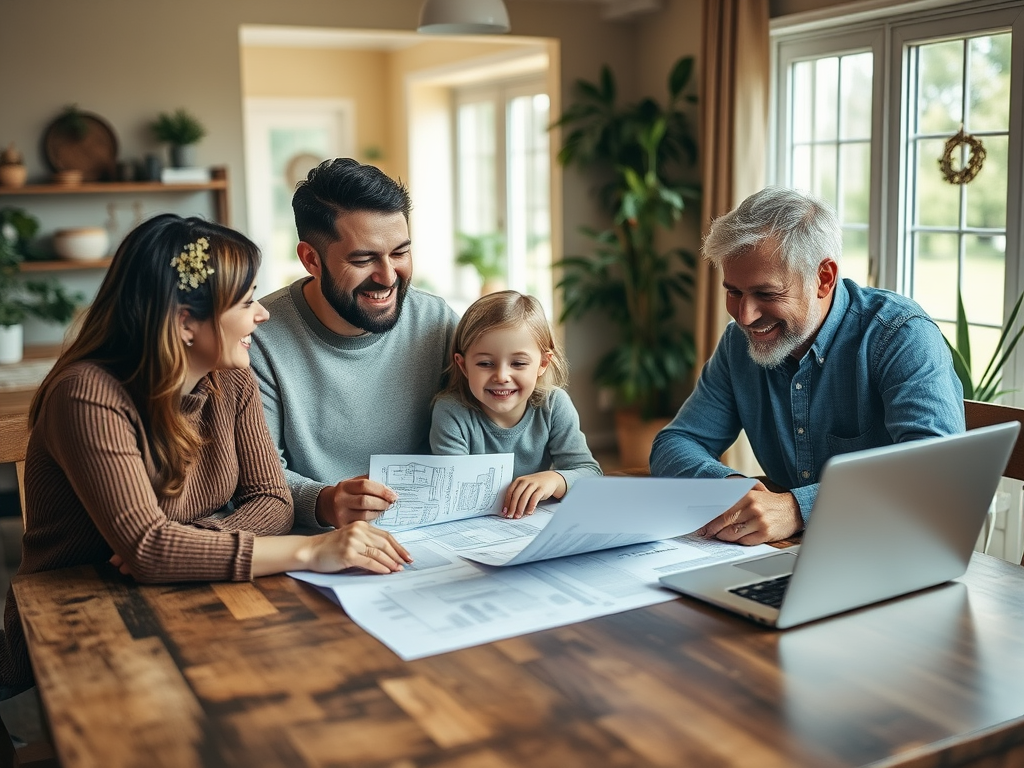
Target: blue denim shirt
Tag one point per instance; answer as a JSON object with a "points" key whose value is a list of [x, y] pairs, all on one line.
{"points": [[877, 373]]}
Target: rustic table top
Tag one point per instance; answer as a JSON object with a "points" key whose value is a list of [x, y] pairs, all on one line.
{"points": [[273, 673]]}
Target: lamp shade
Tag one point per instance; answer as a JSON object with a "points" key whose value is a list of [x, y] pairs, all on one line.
{"points": [[463, 17]]}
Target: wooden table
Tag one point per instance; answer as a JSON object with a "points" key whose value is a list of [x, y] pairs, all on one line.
{"points": [[272, 673]]}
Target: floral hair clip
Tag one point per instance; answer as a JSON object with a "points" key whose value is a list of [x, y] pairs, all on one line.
{"points": [[191, 264]]}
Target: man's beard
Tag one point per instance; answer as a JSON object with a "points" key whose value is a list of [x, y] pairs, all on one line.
{"points": [[348, 308], [774, 354]]}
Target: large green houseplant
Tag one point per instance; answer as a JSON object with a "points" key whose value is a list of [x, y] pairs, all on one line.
{"points": [[639, 154]]}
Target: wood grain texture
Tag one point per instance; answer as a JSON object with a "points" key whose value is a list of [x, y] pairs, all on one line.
{"points": [[196, 675]]}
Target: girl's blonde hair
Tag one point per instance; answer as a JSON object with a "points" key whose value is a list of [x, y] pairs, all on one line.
{"points": [[497, 311], [132, 328]]}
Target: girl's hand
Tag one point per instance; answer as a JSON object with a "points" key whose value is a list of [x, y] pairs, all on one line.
{"points": [[526, 492], [356, 545]]}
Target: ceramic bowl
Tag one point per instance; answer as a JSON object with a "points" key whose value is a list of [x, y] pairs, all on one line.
{"points": [[81, 243]]}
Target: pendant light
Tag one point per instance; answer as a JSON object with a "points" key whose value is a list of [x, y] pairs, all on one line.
{"points": [[463, 17]]}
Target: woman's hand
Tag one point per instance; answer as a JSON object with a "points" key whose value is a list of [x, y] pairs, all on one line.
{"points": [[526, 492], [356, 545]]}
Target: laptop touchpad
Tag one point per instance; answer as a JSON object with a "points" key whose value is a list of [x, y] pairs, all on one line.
{"points": [[773, 565]]}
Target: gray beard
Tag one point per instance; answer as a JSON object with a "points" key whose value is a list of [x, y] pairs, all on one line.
{"points": [[773, 355]]}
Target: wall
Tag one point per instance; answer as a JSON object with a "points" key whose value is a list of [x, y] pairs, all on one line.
{"points": [[318, 73], [128, 60]]}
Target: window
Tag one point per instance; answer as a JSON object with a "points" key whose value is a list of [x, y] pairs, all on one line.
{"points": [[503, 179], [863, 112]]}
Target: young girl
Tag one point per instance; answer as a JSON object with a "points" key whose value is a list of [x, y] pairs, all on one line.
{"points": [[149, 446], [504, 395]]}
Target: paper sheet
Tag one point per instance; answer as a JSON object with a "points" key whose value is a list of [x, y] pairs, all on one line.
{"points": [[438, 489], [444, 602], [603, 512]]}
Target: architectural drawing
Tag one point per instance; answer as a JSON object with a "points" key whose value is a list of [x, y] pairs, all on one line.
{"points": [[434, 489]]}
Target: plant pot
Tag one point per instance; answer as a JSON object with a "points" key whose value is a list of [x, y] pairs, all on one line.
{"points": [[635, 437], [183, 155], [11, 343], [13, 175]]}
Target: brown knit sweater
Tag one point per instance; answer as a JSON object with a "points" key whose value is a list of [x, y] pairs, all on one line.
{"points": [[89, 490]]}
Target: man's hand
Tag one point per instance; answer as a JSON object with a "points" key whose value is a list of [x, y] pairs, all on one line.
{"points": [[350, 500], [758, 517]]}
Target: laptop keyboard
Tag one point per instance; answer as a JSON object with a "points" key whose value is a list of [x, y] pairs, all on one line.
{"points": [[767, 592]]}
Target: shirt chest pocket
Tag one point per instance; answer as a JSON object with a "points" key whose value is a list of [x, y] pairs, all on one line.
{"points": [[877, 435]]}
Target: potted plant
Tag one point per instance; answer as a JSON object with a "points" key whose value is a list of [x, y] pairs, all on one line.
{"points": [[987, 388], [182, 131], [640, 151], [486, 254], [45, 299]]}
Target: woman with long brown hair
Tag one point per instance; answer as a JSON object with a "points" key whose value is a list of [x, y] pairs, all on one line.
{"points": [[149, 446]]}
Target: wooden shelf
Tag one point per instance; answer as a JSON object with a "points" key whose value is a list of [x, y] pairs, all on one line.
{"points": [[217, 185], [104, 187], [64, 265]]}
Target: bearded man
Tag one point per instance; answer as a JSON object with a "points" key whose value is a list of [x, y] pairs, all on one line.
{"points": [[812, 367], [353, 355]]}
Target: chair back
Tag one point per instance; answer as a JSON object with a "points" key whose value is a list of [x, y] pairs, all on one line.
{"points": [[13, 446], [986, 414]]}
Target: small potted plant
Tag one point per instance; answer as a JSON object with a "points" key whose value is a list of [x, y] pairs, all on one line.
{"points": [[486, 254], [45, 299], [12, 168], [182, 131]]}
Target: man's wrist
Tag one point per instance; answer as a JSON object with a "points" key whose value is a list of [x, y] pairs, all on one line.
{"points": [[323, 511]]}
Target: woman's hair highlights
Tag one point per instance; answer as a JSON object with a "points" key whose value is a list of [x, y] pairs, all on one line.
{"points": [[505, 309], [132, 327]]}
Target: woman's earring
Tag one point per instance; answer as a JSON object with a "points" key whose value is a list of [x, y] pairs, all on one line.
{"points": [[188, 343]]}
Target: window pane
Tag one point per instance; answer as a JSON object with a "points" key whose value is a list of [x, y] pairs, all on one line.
{"points": [[854, 84], [983, 278], [529, 233], [935, 273], [802, 118], [986, 194], [940, 87], [826, 98], [937, 202], [477, 174], [856, 182], [989, 92], [983, 346], [825, 172], [855, 255], [800, 173]]}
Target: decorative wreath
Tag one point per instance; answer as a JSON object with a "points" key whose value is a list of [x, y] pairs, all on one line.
{"points": [[974, 161]]}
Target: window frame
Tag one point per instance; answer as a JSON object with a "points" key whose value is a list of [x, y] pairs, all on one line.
{"points": [[888, 32]]}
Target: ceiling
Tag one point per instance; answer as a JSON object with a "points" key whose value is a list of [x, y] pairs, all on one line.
{"points": [[308, 37]]}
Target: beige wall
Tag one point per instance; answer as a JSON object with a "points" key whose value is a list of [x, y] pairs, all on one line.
{"points": [[319, 73], [128, 60]]}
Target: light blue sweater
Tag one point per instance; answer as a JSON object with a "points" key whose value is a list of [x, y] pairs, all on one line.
{"points": [[547, 437], [332, 401]]}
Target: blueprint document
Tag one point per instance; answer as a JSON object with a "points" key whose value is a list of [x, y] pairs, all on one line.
{"points": [[438, 489], [443, 602], [604, 512]]}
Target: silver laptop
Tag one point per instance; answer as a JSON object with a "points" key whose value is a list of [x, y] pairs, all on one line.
{"points": [[887, 521]]}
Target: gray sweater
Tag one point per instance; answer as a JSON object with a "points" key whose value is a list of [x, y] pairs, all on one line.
{"points": [[332, 401], [547, 437]]}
